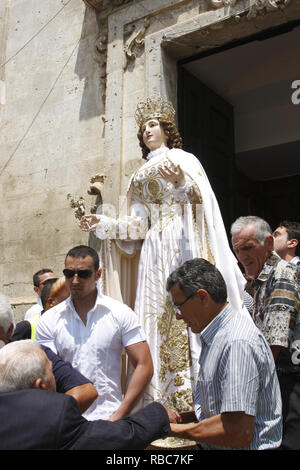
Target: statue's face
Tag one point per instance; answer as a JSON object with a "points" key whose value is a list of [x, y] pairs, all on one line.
{"points": [[154, 136]]}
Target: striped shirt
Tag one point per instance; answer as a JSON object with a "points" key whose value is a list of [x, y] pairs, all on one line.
{"points": [[248, 302], [237, 373]]}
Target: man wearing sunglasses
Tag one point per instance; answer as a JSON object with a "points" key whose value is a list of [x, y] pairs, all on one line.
{"points": [[90, 330], [237, 398], [40, 279]]}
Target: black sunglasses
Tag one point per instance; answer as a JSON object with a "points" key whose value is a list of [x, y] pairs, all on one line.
{"points": [[82, 273]]}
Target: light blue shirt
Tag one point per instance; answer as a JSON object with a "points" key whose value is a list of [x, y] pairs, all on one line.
{"points": [[237, 373]]}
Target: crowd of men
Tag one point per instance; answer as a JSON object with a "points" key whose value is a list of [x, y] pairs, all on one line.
{"points": [[60, 368]]}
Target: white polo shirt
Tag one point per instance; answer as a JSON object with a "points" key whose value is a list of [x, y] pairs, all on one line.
{"points": [[95, 348]]}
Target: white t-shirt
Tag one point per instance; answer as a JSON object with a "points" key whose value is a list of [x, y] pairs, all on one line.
{"points": [[34, 310], [95, 348]]}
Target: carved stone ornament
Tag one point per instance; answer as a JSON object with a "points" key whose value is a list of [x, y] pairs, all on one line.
{"points": [[136, 41], [97, 183], [106, 6], [103, 9], [222, 3], [255, 6], [78, 202]]}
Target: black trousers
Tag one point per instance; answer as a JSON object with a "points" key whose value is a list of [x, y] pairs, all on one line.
{"points": [[290, 393]]}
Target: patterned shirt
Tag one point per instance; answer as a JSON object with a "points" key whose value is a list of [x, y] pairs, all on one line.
{"points": [[296, 261], [277, 309], [237, 373]]}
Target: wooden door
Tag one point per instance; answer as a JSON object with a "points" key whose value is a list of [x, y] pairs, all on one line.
{"points": [[206, 124]]}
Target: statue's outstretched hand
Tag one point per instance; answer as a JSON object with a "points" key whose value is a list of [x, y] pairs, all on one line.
{"points": [[176, 176], [88, 223]]}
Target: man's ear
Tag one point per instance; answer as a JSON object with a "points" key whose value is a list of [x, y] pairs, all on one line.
{"points": [[5, 337], [10, 331], [292, 243], [269, 242], [36, 289], [39, 384], [202, 294], [98, 275]]}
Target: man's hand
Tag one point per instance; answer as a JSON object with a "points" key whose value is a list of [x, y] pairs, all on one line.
{"points": [[116, 415], [84, 394], [140, 357], [174, 417], [230, 429]]}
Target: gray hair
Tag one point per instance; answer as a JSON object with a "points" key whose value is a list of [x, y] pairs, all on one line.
{"points": [[21, 364], [6, 313], [262, 228], [198, 273]]}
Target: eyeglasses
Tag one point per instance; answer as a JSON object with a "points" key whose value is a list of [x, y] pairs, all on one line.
{"points": [[82, 273], [177, 307]]}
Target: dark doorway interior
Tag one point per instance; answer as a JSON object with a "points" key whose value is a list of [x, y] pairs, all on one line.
{"points": [[207, 126], [236, 115]]}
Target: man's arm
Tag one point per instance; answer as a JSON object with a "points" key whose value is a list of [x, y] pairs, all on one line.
{"points": [[131, 433], [232, 429], [71, 381], [84, 394], [22, 331], [140, 357]]}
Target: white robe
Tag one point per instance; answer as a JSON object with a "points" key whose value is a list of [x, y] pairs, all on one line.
{"points": [[162, 228]]}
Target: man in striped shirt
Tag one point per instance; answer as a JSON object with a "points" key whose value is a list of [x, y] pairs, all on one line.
{"points": [[237, 397], [276, 313]]}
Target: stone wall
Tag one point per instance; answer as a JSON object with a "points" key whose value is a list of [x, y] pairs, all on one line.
{"points": [[51, 139]]}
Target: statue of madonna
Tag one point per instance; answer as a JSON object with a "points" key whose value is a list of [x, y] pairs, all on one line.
{"points": [[170, 215]]}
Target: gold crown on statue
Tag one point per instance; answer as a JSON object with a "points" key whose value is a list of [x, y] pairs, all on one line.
{"points": [[152, 108]]}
